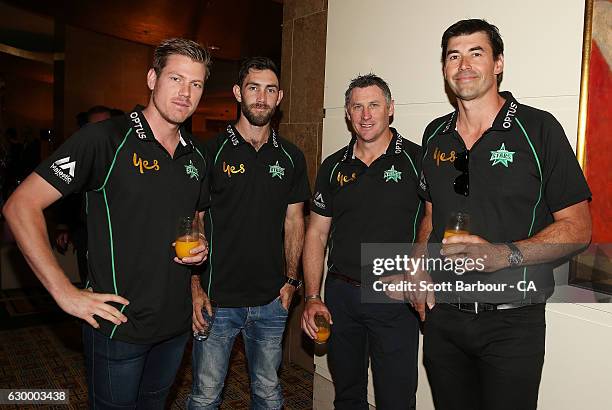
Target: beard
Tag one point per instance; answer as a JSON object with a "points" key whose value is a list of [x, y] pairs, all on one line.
{"points": [[258, 120]]}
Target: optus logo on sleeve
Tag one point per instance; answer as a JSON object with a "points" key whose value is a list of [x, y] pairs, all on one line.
{"points": [[64, 169]]}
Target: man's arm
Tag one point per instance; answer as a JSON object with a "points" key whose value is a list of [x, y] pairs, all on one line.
{"points": [[294, 244], [24, 214], [425, 228], [418, 298], [570, 231], [294, 238], [314, 257], [199, 298]]}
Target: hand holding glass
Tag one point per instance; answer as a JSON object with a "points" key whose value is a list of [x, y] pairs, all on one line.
{"points": [[209, 319]]}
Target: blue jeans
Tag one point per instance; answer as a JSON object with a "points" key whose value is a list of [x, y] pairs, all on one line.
{"points": [[124, 375], [262, 329]]}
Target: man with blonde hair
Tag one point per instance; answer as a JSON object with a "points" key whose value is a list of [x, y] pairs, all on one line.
{"points": [[141, 172]]}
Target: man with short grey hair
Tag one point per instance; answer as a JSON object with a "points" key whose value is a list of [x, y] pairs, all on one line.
{"points": [[365, 193]]}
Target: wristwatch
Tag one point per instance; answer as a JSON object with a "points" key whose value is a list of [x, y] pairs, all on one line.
{"points": [[515, 258], [295, 282]]}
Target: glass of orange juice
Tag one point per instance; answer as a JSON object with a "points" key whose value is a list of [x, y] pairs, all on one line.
{"points": [[188, 236], [324, 329], [458, 224]]}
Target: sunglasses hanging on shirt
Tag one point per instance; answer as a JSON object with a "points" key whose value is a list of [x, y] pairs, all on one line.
{"points": [[462, 182]]}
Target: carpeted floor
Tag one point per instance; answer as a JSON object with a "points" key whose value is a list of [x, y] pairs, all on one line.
{"points": [[41, 348]]}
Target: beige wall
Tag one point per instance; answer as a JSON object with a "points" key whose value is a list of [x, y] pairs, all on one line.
{"points": [[400, 41], [302, 77]]}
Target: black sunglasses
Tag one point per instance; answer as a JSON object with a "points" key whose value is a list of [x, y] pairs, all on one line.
{"points": [[462, 182]]}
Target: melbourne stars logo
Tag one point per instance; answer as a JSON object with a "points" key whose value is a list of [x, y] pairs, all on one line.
{"points": [[392, 175], [277, 171], [502, 156], [191, 170]]}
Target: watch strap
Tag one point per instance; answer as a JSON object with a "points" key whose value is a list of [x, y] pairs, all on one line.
{"points": [[295, 282], [515, 258]]}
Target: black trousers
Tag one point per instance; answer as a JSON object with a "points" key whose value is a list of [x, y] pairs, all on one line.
{"points": [[386, 333], [487, 361]]}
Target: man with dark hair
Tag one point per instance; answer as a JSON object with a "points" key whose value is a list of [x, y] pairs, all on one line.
{"points": [[141, 172], [98, 113], [258, 184], [365, 193], [512, 169]]}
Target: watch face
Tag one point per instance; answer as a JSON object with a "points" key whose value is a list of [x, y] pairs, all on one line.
{"points": [[515, 259]]}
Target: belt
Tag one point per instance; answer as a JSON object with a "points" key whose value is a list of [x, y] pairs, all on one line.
{"points": [[478, 307], [344, 278]]}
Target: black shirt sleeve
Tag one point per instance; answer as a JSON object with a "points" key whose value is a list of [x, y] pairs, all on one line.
{"points": [[564, 182], [300, 190], [79, 164], [321, 201], [416, 158]]}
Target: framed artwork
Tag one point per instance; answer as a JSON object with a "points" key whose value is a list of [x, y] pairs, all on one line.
{"points": [[592, 269]]}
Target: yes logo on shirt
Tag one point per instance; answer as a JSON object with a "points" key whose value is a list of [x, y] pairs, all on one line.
{"points": [[144, 165], [233, 169], [345, 179]]}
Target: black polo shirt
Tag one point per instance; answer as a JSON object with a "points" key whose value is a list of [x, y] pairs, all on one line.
{"points": [[250, 192], [375, 204], [136, 193], [521, 171]]}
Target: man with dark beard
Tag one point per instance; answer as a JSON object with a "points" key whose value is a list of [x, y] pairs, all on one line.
{"points": [[258, 187]]}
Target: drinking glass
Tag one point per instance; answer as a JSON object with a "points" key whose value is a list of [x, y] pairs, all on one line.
{"points": [[188, 236], [458, 224], [324, 329]]}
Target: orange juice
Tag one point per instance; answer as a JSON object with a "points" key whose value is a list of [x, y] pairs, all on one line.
{"points": [[322, 334], [184, 244], [449, 233]]}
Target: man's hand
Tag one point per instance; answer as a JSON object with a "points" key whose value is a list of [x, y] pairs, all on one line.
{"points": [[314, 307], [199, 300], [415, 291], [84, 304], [198, 254], [286, 295], [493, 256]]}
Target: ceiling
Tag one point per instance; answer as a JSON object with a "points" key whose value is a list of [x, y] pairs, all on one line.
{"points": [[31, 33], [232, 28]]}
